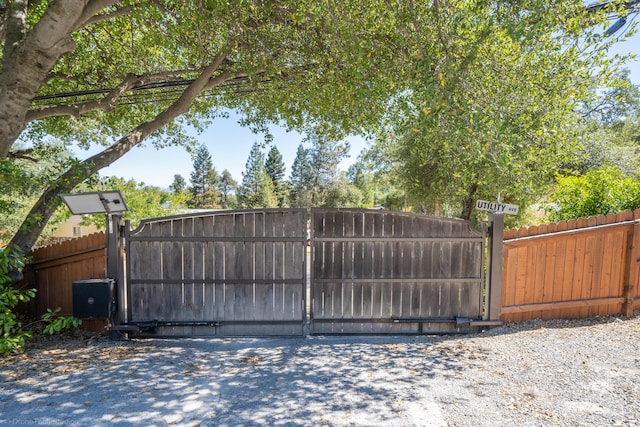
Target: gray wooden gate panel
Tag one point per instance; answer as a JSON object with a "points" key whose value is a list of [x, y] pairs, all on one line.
{"points": [[390, 272], [221, 273]]}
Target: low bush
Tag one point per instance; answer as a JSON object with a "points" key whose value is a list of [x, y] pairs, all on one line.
{"points": [[13, 334]]}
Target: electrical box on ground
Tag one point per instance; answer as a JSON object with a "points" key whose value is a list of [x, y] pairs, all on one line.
{"points": [[94, 298]]}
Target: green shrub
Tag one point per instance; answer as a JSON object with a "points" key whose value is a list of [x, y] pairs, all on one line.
{"points": [[599, 191], [13, 334]]}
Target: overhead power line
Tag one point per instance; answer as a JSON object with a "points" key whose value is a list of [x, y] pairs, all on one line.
{"points": [[145, 87], [629, 6]]}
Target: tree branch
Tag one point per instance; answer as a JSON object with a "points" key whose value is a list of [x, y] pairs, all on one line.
{"points": [[90, 12], [4, 16], [28, 59], [23, 154], [45, 207], [14, 28]]}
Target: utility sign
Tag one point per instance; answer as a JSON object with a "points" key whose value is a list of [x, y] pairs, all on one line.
{"points": [[497, 207]]}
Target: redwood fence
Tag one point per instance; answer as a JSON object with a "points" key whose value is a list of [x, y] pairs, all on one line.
{"points": [[571, 269], [54, 268]]}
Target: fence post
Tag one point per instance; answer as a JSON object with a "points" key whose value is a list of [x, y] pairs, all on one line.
{"points": [[115, 262], [494, 271], [630, 271]]}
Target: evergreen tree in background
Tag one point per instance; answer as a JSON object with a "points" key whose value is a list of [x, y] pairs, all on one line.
{"points": [[256, 190], [276, 170], [179, 184], [325, 155], [301, 178], [203, 181], [364, 184], [227, 186]]}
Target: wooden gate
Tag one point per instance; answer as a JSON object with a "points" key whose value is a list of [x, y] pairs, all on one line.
{"points": [[392, 272], [228, 273], [243, 273]]}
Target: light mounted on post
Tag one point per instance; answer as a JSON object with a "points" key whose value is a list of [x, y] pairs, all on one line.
{"points": [[107, 202]]}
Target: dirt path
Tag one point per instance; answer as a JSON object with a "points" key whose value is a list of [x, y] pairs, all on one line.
{"points": [[534, 373]]}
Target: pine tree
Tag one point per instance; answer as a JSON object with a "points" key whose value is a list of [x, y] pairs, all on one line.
{"points": [[256, 190], [326, 155], [363, 183], [301, 179], [179, 184], [226, 186], [276, 170], [315, 171], [203, 180]]}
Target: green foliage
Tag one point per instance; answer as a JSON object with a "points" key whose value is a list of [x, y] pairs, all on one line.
{"points": [[204, 181], [300, 179], [478, 96], [12, 335], [143, 201], [179, 185], [492, 108], [22, 178], [315, 171], [256, 190], [344, 195], [618, 101], [55, 323], [227, 187], [610, 133], [600, 191], [276, 170]]}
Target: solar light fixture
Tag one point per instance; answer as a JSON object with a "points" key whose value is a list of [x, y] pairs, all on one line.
{"points": [[108, 202]]}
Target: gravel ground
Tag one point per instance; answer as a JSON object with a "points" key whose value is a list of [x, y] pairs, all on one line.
{"points": [[564, 373]]}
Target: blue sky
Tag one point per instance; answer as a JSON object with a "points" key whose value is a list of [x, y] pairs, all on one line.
{"points": [[230, 144]]}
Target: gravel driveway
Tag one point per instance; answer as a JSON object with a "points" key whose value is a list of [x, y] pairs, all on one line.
{"points": [[566, 373]]}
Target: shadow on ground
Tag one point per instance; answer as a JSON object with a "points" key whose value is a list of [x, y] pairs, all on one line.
{"points": [[305, 381]]}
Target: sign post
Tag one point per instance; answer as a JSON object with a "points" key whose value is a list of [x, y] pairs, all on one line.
{"points": [[497, 211]]}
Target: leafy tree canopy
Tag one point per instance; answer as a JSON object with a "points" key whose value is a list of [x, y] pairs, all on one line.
{"points": [[495, 112], [227, 186], [143, 201], [486, 82]]}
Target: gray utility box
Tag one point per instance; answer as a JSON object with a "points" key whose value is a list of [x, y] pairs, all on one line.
{"points": [[94, 298]]}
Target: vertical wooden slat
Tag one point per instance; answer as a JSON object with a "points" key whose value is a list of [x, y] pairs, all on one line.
{"points": [[557, 278], [630, 280]]}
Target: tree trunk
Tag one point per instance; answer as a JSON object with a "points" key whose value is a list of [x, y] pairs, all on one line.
{"points": [[469, 202], [28, 57]]}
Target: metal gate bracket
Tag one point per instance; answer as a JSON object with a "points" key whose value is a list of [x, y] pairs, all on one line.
{"points": [[463, 321]]}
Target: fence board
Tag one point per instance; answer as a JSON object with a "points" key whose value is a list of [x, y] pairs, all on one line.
{"points": [[54, 268], [586, 260]]}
